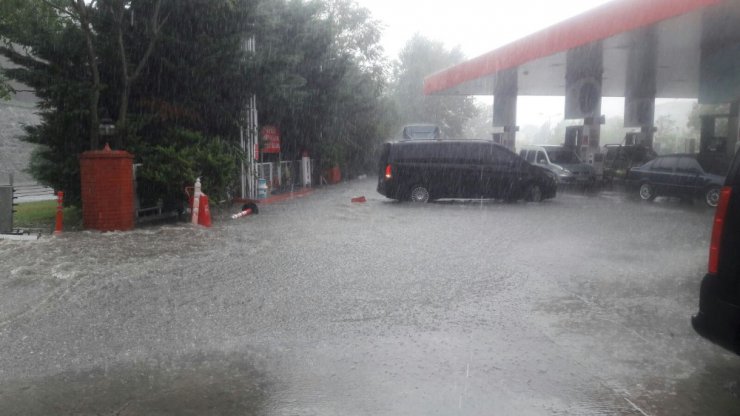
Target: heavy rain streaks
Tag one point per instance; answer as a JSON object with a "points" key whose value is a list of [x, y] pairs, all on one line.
{"points": [[578, 305]]}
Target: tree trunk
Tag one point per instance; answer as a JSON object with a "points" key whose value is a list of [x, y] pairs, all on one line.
{"points": [[121, 124], [128, 78], [92, 61]]}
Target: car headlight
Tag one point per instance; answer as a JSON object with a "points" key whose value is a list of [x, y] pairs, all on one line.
{"points": [[561, 170]]}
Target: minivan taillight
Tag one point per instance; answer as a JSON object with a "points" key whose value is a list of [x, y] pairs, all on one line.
{"points": [[717, 228], [388, 172]]}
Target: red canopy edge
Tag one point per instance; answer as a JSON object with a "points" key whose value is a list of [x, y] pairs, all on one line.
{"points": [[600, 23]]}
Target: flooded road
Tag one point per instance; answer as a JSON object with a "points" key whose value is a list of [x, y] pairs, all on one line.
{"points": [[317, 306]]}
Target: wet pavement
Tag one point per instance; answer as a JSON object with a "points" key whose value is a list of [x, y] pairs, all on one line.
{"points": [[318, 306]]}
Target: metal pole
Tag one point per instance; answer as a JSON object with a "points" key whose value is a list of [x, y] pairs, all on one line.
{"points": [[255, 138], [244, 155], [250, 152], [248, 140]]}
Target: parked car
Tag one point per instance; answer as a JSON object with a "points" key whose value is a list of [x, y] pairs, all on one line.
{"points": [[679, 175], [562, 162], [619, 159], [423, 170], [718, 318]]}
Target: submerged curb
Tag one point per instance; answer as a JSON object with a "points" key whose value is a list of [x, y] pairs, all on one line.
{"points": [[281, 197]]}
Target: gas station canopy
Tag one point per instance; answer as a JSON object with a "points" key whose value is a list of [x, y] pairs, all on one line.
{"points": [[689, 48]]}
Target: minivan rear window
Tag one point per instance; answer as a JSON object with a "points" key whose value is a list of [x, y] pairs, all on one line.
{"points": [[565, 156], [421, 132]]}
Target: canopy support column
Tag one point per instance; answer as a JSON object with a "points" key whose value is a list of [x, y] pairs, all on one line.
{"points": [[733, 129], [504, 108], [641, 88], [583, 80]]}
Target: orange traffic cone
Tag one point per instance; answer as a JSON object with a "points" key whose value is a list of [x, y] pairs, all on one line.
{"points": [[204, 212], [247, 209]]}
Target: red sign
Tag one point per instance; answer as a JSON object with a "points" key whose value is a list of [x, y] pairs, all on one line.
{"points": [[270, 139]]}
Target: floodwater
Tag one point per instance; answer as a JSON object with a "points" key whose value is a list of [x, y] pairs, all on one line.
{"points": [[318, 306]]}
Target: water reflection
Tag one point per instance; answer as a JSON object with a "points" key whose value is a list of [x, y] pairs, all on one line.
{"points": [[198, 384]]}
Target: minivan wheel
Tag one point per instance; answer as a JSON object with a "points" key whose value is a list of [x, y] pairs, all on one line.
{"points": [[534, 193], [647, 192], [419, 193], [711, 196]]}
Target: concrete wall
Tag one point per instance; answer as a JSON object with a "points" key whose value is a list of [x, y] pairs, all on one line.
{"points": [[20, 111], [14, 153]]}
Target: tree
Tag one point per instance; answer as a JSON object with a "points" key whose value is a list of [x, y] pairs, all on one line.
{"points": [[479, 126], [157, 119], [693, 124], [5, 88], [123, 10], [549, 134], [23, 21], [613, 131], [47, 49], [321, 79], [667, 134], [80, 11], [176, 78], [418, 59], [92, 19]]}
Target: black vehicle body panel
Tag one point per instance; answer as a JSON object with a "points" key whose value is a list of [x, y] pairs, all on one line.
{"points": [[718, 318], [674, 175], [458, 169]]}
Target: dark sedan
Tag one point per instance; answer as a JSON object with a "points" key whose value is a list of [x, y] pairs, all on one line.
{"points": [[678, 175]]}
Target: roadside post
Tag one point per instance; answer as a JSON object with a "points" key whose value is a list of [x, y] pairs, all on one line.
{"points": [[196, 202], [60, 213]]}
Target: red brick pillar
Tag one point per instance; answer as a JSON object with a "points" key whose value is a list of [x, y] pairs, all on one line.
{"points": [[107, 190]]}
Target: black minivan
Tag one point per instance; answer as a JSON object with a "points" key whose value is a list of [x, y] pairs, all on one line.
{"points": [[423, 170], [719, 299]]}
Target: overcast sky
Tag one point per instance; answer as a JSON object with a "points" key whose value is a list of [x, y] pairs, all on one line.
{"points": [[477, 26]]}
